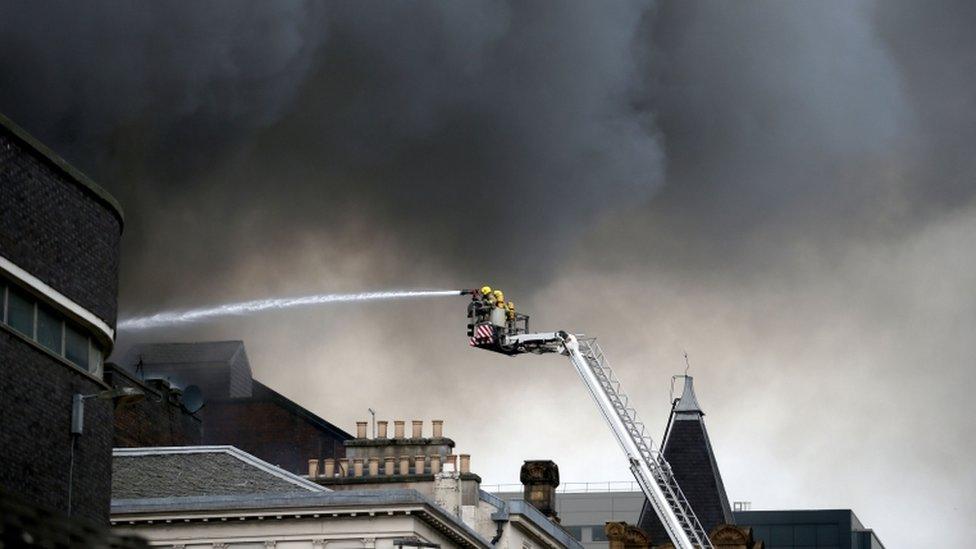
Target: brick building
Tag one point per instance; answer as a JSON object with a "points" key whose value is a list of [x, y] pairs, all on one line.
{"points": [[239, 410], [161, 419], [59, 260]]}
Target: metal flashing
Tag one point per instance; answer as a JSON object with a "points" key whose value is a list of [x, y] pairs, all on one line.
{"points": [[687, 406]]}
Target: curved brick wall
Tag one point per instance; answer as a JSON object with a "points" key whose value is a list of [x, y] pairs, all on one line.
{"points": [[65, 231], [57, 229]]}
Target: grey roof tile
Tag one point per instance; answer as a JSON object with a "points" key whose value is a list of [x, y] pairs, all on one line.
{"points": [[198, 471]]}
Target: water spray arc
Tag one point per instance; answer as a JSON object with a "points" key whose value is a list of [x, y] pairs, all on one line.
{"points": [[170, 318]]}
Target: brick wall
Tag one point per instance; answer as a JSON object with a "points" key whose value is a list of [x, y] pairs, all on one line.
{"points": [[157, 420], [270, 431], [57, 230], [35, 441]]}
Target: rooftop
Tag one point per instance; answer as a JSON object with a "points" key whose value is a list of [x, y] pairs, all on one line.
{"points": [[183, 471]]}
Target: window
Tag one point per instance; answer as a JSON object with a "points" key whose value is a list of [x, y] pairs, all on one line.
{"points": [[599, 533], [76, 346], [20, 312], [49, 328]]}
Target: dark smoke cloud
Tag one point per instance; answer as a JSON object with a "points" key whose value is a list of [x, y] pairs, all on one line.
{"points": [[786, 190], [440, 122]]}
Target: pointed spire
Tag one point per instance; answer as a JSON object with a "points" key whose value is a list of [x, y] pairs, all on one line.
{"points": [[688, 450], [687, 406]]}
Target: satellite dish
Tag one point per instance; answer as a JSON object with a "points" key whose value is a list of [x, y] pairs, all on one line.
{"points": [[192, 398]]}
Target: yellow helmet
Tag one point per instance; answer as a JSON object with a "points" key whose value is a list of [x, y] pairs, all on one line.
{"points": [[499, 295], [511, 305], [485, 290]]}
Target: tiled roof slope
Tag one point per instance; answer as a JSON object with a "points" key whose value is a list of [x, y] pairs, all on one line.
{"points": [[220, 368], [198, 471], [689, 451]]}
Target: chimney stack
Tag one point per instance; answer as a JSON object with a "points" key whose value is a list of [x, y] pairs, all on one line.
{"points": [[438, 425], [357, 467], [381, 429], [404, 465], [465, 463], [344, 470], [389, 466], [398, 429], [418, 464], [361, 429], [313, 469], [540, 479], [418, 428], [329, 466], [374, 466], [435, 464]]}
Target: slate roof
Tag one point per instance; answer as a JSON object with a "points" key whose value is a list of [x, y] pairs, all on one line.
{"points": [[198, 471], [689, 451], [220, 368]]}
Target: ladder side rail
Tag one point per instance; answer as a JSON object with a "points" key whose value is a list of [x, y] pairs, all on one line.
{"points": [[638, 464]]}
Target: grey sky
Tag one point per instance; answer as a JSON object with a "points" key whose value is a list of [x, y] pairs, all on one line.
{"points": [[784, 190]]}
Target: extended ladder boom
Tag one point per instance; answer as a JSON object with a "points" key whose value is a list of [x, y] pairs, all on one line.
{"points": [[648, 465]]}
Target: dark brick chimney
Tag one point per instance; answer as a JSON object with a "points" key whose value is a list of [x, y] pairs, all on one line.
{"points": [[540, 479]]}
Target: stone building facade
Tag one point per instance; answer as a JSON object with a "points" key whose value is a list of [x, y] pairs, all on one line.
{"points": [[59, 260]]}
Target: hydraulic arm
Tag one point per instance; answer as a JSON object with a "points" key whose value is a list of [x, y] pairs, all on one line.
{"points": [[647, 464]]}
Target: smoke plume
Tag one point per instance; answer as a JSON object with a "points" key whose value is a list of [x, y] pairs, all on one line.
{"points": [[784, 190]]}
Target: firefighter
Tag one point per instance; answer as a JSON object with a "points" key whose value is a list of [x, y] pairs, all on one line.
{"points": [[483, 306], [490, 298], [498, 312]]}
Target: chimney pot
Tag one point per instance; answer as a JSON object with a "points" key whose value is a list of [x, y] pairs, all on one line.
{"points": [[313, 469], [374, 466], [465, 463], [418, 428], [435, 464], [438, 427], [389, 466], [418, 464], [381, 429], [404, 465], [357, 467], [398, 429], [329, 467], [361, 429]]}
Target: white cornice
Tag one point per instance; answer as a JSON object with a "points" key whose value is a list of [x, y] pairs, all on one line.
{"points": [[19, 274]]}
